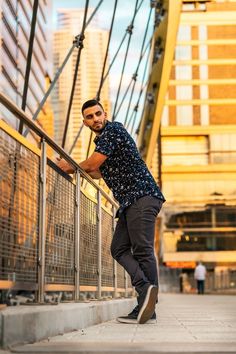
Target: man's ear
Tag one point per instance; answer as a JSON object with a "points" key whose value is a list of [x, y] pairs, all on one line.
{"points": [[85, 123], [105, 113]]}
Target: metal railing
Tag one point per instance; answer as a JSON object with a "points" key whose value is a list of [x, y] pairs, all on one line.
{"points": [[54, 235]]}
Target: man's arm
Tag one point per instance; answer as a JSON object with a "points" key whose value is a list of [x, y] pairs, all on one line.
{"points": [[93, 163], [95, 174], [90, 165]]}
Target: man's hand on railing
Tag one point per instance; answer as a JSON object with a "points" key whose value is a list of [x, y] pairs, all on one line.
{"points": [[65, 166]]}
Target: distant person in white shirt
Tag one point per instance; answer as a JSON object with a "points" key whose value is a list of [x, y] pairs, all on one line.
{"points": [[200, 276]]}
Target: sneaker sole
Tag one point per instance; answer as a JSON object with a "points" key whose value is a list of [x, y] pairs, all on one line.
{"points": [[127, 320], [149, 305], [130, 321]]}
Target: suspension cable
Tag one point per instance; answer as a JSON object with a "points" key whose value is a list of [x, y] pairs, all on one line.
{"points": [[118, 50], [133, 78], [142, 53], [82, 126], [136, 107], [136, 72], [29, 59], [89, 144], [76, 43], [136, 110], [130, 32], [93, 13], [124, 96], [101, 80], [115, 56], [104, 78], [76, 138], [81, 38], [107, 50], [139, 98], [75, 74], [141, 91], [103, 70]]}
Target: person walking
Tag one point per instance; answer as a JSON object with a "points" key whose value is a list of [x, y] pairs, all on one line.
{"points": [[200, 276], [116, 159]]}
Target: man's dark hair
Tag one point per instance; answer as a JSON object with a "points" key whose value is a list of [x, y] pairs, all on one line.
{"points": [[91, 103]]}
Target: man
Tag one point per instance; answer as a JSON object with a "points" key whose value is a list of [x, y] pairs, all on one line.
{"points": [[200, 276], [117, 161]]}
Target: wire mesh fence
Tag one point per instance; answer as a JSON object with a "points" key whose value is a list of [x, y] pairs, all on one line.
{"points": [[60, 233], [88, 242], [19, 217], [107, 261], [39, 223]]}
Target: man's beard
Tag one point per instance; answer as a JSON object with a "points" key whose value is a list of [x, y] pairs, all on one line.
{"points": [[99, 130]]}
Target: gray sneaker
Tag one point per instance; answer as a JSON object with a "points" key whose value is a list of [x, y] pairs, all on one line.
{"points": [[147, 303]]}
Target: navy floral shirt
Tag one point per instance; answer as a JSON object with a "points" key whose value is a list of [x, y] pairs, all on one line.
{"points": [[124, 172]]}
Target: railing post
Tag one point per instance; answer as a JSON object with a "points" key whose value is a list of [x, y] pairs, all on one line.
{"points": [[77, 236], [114, 261], [99, 238], [42, 222]]}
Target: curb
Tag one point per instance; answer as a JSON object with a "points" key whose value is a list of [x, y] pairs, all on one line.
{"points": [[29, 324]]}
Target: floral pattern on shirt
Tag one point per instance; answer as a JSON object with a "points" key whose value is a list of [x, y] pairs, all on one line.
{"points": [[124, 172]]}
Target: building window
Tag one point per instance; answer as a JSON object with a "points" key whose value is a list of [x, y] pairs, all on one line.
{"points": [[184, 150], [223, 148]]}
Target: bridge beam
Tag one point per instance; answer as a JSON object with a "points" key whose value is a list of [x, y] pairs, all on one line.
{"points": [[163, 46]]}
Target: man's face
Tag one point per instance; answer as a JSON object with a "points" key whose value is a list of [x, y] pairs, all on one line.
{"points": [[94, 118]]}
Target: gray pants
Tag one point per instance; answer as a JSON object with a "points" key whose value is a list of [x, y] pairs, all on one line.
{"points": [[133, 241]]}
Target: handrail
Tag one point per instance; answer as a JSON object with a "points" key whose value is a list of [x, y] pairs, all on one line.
{"points": [[20, 114]]}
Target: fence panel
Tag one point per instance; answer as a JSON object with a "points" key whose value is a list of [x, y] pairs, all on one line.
{"points": [[60, 229], [19, 211], [88, 242], [107, 261]]}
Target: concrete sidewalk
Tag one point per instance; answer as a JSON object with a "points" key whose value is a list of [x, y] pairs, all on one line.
{"points": [[186, 324]]}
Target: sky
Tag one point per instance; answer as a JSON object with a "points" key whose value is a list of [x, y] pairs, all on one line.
{"points": [[123, 18]]}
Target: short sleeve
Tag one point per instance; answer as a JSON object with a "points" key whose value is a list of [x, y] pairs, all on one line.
{"points": [[107, 142]]}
